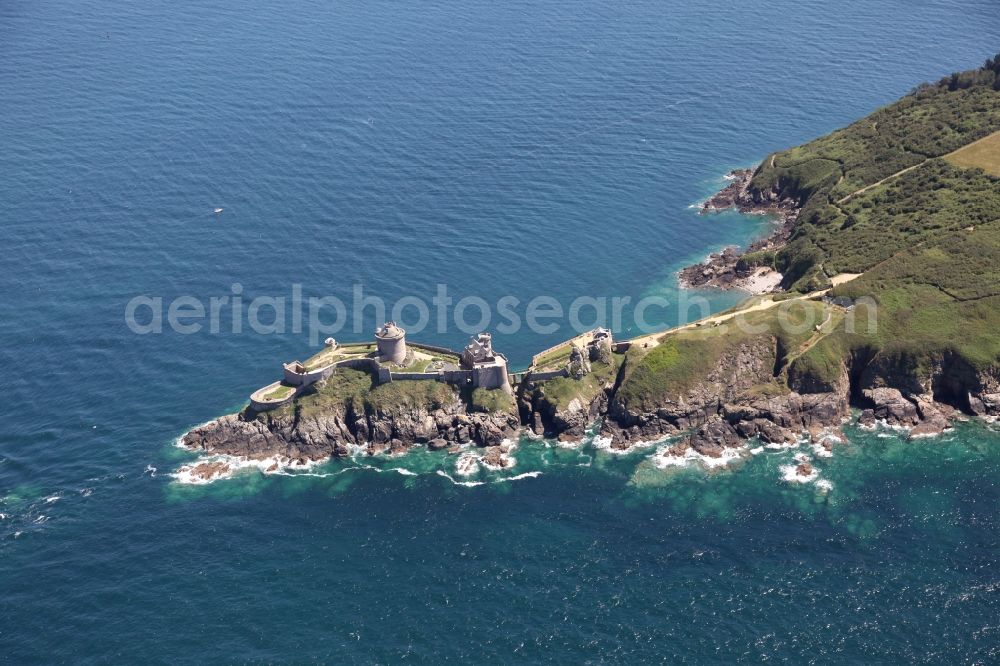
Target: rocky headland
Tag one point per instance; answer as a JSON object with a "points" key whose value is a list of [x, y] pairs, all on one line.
{"points": [[732, 268], [328, 421], [913, 342]]}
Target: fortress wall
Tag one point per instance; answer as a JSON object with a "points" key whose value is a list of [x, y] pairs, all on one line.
{"points": [[405, 376], [494, 376], [261, 406], [433, 348], [367, 364], [564, 343], [548, 374], [307, 378], [458, 377]]}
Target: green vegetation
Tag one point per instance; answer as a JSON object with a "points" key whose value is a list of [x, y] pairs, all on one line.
{"points": [[325, 356], [561, 391], [556, 358], [395, 397], [926, 239], [842, 229], [280, 392], [925, 206], [491, 400], [685, 359], [417, 366], [355, 390], [755, 259]]}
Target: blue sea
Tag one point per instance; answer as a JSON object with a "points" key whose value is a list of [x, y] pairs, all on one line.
{"points": [[547, 149]]}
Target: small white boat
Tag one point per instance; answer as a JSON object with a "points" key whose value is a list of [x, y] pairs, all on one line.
{"points": [[218, 210]]}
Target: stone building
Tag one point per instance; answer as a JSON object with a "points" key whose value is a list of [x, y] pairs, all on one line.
{"points": [[488, 368], [600, 346], [391, 342]]}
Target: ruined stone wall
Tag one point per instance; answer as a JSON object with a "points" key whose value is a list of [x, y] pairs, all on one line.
{"points": [[434, 349], [548, 374], [261, 406]]}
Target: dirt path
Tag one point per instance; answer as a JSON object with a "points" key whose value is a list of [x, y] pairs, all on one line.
{"points": [[653, 339], [817, 336], [884, 180], [853, 194]]}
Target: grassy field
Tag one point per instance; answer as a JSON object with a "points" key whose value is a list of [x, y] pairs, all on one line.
{"points": [[355, 389], [927, 239], [843, 230], [685, 359], [561, 391], [983, 154], [491, 400], [325, 357], [418, 365], [280, 392], [554, 359]]}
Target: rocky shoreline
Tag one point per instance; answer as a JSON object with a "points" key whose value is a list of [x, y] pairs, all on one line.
{"points": [[745, 394], [342, 430], [712, 419], [723, 269]]}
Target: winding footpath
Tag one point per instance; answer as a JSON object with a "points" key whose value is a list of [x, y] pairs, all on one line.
{"points": [[653, 339]]}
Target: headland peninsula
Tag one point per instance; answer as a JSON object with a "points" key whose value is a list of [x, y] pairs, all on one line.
{"points": [[887, 237]]}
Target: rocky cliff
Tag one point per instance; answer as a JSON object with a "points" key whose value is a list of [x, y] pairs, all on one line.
{"points": [[914, 341], [345, 412]]}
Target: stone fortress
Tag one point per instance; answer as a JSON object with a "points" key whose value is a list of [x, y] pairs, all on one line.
{"points": [[390, 359], [488, 368], [391, 342]]}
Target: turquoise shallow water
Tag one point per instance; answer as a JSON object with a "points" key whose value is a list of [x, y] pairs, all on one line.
{"points": [[530, 149]]}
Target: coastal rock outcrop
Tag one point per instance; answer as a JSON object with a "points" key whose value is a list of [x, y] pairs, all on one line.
{"points": [[305, 434], [730, 267]]}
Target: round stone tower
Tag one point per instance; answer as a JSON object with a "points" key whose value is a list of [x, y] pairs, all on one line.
{"points": [[391, 342]]}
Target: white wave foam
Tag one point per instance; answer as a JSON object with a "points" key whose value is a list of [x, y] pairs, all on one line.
{"points": [[664, 459], [468, 484], [882, 424], [820, 451], [931, 435], [756, 451], [216, 467], [790, 474], [604, 444], [824, 485], [526, 475], [179, 442], [506, 462], [467, 464], [781, 446], [818, 447], [51, 499]]}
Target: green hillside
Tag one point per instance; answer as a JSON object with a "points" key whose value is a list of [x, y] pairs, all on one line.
{"points": [[881, 197]]}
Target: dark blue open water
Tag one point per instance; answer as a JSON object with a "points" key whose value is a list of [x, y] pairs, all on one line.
{"points": [[518, 149]]}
